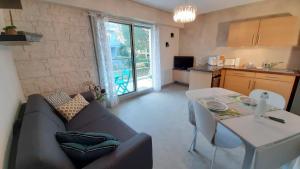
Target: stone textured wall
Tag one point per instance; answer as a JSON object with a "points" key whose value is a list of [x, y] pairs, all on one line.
{"points": [[64, 59], [201, 37]]}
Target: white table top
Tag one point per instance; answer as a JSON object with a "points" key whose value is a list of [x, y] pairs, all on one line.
{"points": [[257, 132], [262, 132]]}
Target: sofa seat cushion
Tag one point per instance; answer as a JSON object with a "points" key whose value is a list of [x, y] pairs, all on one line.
{"points": [[37, 145], [91, 112], [96, 118]]}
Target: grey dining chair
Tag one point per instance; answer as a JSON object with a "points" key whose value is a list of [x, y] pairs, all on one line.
{"points": [[275, 99], [215, 133]]}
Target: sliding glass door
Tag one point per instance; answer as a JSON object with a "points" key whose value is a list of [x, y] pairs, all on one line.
{"points": [[142, 39], [130, 49], [120, 41]]}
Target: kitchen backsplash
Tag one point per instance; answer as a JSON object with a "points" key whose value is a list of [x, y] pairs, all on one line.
{"points": [[258, 56], [207, 36]]}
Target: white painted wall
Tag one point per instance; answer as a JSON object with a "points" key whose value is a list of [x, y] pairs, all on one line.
{"points": [[167, 53], [11, 96]]}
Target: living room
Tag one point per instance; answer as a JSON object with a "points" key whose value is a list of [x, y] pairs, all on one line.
{"points": [[136, 75]]}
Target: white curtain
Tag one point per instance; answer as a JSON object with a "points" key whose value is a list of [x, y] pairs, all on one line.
{"points": [[104, 58], [295, 164], [156, 69]]}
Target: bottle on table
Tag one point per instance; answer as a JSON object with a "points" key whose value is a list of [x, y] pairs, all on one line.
{"points": [[261, 107]]}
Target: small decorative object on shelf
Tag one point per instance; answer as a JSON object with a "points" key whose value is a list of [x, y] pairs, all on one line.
{"points": [[10, 30], [12, 37]]}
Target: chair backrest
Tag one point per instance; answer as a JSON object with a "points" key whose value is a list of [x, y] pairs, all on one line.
{"points": [[275, 99], [205, 121], [126, 74]]}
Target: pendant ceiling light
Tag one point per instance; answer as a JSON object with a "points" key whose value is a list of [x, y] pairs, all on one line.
{"points": [[185, 13]]}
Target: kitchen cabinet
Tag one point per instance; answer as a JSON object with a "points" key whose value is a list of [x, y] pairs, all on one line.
{"points": [[270, 32], [244, 82], [238, 84], [239, 81], [279, 31], [222, 79], [181, 76], [282, 88], [280, 84], [243, 33]]}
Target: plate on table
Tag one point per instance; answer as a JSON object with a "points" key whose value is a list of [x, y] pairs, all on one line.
{"points": [[248, 100], [216, 106]]}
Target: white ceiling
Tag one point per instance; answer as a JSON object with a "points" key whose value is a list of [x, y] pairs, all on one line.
{"points": [[203, 6]]}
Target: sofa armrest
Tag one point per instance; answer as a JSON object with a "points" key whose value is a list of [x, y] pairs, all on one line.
{"points": [[135, 153]]}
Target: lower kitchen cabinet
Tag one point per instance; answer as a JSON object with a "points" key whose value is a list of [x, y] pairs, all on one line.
{"points": [[238, 84], [244, 82], [282, 88]]}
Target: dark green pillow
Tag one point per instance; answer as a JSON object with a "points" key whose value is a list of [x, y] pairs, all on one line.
{"points": [[90, 138], [82, 155]]}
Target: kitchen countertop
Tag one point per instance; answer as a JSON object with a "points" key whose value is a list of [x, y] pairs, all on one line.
{"points": [[208, 68]]}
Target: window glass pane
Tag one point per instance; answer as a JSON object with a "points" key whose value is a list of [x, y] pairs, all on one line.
{"points": [[120, 44], [142, 38]]}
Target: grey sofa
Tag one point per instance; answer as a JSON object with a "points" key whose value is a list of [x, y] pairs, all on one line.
{"points": [[38, 148]]}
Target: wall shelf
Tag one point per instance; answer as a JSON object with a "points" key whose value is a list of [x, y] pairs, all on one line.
{"points": [[15, 40]]}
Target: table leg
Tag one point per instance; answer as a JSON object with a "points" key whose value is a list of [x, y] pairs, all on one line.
{"points": [[249, 154]]}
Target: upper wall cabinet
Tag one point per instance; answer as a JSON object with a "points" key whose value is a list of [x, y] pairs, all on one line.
{"points": [[280, 31], [270, 32], [243, 33]]}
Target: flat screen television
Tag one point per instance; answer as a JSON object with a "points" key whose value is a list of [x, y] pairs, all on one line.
{"points": [[183, 62]]}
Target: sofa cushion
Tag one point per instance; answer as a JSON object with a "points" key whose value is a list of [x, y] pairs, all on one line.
{"points": [[83, 138], [96, 118], [37, 104], [71, 108], [91, 112], [37, 146], [82, 154]]}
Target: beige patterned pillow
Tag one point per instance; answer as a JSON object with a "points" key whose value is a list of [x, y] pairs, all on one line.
{"points": [[71, 108]]}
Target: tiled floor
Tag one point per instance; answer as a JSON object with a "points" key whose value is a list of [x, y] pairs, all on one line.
{"points": [[164, 116]]}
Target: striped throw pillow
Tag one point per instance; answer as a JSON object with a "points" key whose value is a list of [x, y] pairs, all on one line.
{"points": [[87, 138], [82, 154], [57, 99]]}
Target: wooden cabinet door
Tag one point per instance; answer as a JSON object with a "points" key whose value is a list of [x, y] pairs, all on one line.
{"points": [[243, 33], [279, 31], [238, 84], [280, 87]]}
